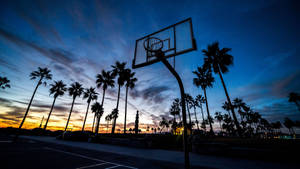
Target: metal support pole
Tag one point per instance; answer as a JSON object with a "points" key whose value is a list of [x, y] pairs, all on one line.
{"points": [[185, 140]]}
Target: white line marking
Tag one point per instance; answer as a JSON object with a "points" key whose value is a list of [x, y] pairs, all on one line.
{"points": [[91, 165], [114, 167], [90, 158]]}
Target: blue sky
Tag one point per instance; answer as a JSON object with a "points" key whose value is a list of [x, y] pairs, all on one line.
{"points": [[77, 39]]}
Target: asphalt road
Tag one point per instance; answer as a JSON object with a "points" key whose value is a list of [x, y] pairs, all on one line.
{"points": [[32, 154]]}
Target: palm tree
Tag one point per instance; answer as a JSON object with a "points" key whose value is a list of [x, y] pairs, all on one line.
{"points": [[175, 109], [239, 104], [104, 80], [189, 102], [118, 70], [204, 79], [108, 118], [90, 94], [199, 100], [226, 107], [42, 74], [219, 118], [98, 110], [4, 82], [130, 83], [58, 89], [295, 97], [194, 104], [219, 60], [163, 123], [114, 114], [288, 123], [74, 91]]}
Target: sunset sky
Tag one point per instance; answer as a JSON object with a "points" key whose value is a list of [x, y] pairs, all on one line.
{"points": [[77, 39]]}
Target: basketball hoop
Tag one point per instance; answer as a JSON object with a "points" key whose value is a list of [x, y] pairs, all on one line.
{"points": [[153, 47]]}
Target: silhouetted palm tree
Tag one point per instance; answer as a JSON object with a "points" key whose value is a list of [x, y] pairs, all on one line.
{"points": [[204, 79], [219, 60], [199, 100], [74, 91], [163, 123], [58, 89], [4, 82], [195, 104], [108, 118], [239, 104], [98, 110], [114, 115], [288, 123], [118, 70], [295, 97], [189, 102], [42, 74], [175, 109], [104, 80], [226, 107], [219, 118], [130, 83], [89, 94]]}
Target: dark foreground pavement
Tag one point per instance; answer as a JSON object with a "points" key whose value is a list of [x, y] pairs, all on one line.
{"points": [[48, 153], [31, 154]]}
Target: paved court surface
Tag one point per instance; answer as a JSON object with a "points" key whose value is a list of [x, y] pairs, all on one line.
{"points": [[31, 152]]}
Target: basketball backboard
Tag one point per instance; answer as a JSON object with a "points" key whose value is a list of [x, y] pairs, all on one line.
{"points": [[173, 40]]}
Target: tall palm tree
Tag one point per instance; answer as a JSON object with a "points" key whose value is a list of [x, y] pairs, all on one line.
{"points": [[118, 70], [226, 107], [58, 89], [204, 79], [177, 104], [104, 80], [219, 60], [189, 102], [108, 118], [130, 83], [42, 74], [4, 82], [98, 110], [74, 91], [240, 105], [219, 118], [199, 101], [295, 97], [89, 94]]}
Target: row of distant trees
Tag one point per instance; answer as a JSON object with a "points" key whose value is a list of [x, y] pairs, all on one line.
{"points": [[217, 61], [123, 76]]}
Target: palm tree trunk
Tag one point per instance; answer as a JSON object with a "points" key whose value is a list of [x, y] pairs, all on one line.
{"points": [[202, 114], [196, 118], [125, 109], [231, 107], [115, 119], [50, 113], [87, 110], [103, 97], [209, 120], [70, 113], [93, 122], [97, 125], [187, 106], [30, 104]]}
